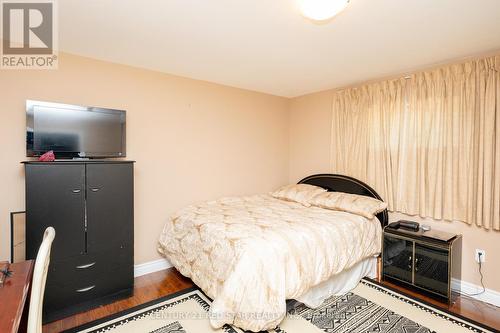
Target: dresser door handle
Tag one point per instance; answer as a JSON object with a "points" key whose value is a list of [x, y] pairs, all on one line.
{"points": [[85, 266], [85, 289], [95, 189], [76, 190]]}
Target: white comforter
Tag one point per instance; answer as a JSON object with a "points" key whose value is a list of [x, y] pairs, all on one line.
{"points": [[250, 254]]}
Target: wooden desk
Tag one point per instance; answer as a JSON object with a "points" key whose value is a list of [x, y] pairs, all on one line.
{"points": [[14, 296]]}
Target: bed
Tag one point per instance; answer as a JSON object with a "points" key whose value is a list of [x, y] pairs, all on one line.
{"points": [[251, 254]]}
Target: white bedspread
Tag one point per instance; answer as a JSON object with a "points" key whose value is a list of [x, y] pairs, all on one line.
{"points": [[250, 254]]}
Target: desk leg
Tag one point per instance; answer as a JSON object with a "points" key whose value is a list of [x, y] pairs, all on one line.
{"points": [[23, 324]]}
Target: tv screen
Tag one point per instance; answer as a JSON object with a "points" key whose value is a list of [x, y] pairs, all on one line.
{"points": [[74, 131]]}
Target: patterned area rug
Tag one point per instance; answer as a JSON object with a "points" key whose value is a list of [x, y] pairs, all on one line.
{"points": [[368, 308], [353, 313]]}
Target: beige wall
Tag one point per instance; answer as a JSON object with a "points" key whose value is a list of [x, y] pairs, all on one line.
{"points": [[192, 140], [310, 120]]}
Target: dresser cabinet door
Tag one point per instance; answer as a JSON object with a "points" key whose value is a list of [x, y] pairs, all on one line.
{"points": [[110, 206], [55, 196], [431, 268], [398, 258]]}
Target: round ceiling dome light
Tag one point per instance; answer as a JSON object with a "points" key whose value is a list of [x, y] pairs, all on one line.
{"points": [[320, 10]]}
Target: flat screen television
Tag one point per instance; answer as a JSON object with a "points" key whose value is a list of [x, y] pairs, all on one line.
{"points": [[73, 131]]}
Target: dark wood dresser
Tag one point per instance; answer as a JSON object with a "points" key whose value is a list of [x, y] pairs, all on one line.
{"points": [[91, 206], [425, 261]]}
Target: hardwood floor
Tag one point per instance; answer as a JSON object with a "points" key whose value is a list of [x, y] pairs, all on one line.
{"points": [[152, 286], [146, 288]]}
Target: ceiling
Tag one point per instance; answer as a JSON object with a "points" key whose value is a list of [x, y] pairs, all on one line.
{"points": [[267, 46]]}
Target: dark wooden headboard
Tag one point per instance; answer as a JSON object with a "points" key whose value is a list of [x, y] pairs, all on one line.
{"points": [[341, 183]]}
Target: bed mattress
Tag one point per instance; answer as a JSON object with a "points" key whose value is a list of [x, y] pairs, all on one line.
{"points": [[250, 254]]}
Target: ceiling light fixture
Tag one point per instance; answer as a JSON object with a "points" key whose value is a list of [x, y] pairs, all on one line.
{"points": [[320, 10]]}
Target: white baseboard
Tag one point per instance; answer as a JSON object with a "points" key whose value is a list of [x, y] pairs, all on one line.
{"points": [[489, 295], [151, 267]]}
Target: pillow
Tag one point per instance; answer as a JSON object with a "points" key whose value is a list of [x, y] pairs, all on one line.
{"points": [[301, 193], [351, 203]]}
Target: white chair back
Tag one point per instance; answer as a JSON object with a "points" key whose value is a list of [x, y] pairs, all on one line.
{"points": [[38, 283]]}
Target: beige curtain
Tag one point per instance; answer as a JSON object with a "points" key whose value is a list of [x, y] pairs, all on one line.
{"points": [[429, 144]]}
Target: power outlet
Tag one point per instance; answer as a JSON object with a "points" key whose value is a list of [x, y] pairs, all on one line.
{"points": [[480, 254]]}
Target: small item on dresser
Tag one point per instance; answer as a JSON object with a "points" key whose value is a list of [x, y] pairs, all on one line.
{"points": [[425, 227], [409, 225], [47, 157], [5, 272]]}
